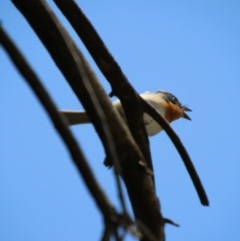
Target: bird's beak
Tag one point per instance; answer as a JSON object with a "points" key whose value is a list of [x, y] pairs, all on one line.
{"points": [[186, 116]]}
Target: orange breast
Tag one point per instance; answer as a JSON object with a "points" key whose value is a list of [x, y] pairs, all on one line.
{"points": [[172, 112]]}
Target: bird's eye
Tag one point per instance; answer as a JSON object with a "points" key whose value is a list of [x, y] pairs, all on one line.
{"points": [[169, 97], [174, 99]]}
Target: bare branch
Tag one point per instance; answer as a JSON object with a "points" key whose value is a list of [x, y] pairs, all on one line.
{"points": [[181, 150], [120, 86], [67, 57], [77, 156], [112, 219]]}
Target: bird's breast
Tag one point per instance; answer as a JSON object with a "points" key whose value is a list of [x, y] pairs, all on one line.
{"points": [[152, 127]]}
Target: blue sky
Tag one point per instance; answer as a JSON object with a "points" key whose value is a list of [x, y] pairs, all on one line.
{"points": [[189, 48]]}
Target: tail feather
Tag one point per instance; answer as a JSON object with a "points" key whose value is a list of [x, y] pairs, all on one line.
{"points": [[75, 117]]}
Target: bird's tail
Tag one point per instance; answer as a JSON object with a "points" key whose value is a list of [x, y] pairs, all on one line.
{"points": [[75, 117]]}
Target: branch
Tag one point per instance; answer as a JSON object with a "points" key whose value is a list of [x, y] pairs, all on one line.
{"points": [[123, 89], [112, 219], [111, 70], [181, 150], [69, 60], [59, 123]]}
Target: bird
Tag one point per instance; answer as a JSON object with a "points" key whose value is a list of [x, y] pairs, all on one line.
{"points": [[168, 106]]}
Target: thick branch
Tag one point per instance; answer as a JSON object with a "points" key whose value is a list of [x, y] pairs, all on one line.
{"points": [[68, 59], [77, 156], [120, 85], [122, 88]]}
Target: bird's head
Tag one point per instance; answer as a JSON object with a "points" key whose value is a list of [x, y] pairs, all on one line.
{"points": [[173, 108]]}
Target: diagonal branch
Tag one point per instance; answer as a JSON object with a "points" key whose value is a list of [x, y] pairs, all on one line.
{"points": [[182, 151], [69, 60], [121, 87], [77, 156], [112, 219]]}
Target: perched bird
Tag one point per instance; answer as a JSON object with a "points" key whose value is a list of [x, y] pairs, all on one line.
{"points": [[170, 108], [164, 102]]}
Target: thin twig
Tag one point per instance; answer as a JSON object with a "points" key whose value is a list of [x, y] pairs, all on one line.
{"points": [[181, 150]]}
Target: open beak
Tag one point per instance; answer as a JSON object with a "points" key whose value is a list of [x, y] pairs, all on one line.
{"points": [[186, 116]]}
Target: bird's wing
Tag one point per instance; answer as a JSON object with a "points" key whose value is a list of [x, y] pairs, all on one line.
{"points": [[75, 117]]}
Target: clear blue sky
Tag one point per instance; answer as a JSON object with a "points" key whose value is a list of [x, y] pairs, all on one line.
{"points": [[190, 48]]}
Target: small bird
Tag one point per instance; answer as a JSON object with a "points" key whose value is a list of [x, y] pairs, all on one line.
{"points": [[169, 108], [164, 102]]}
